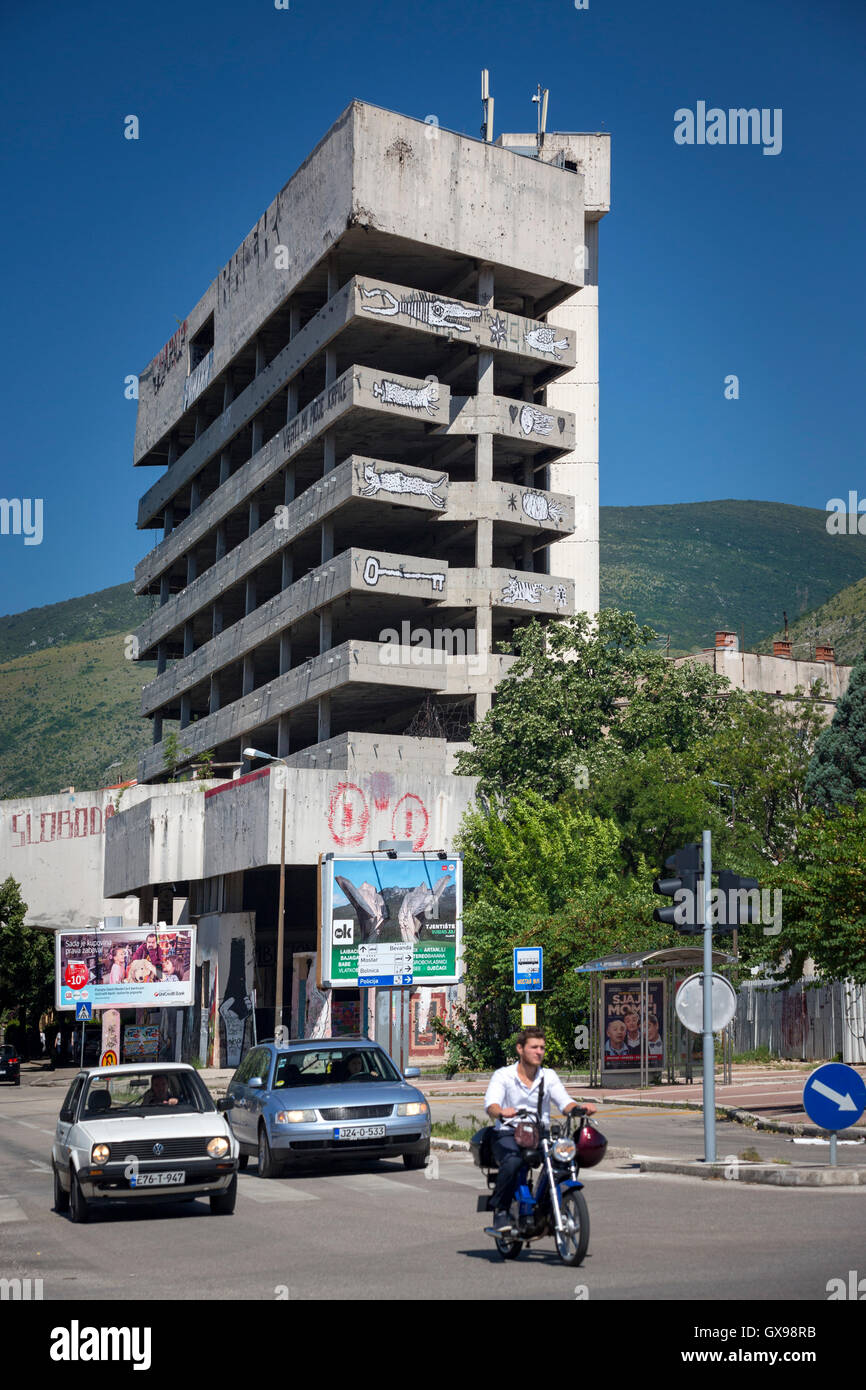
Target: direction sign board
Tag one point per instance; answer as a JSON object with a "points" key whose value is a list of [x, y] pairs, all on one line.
{"points": [[83, 1012], [528, 968], [834, 1096]]}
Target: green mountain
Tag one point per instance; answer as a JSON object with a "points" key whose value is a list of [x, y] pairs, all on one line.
{"points": [[695, 567], [839, 623], [71, 700]]}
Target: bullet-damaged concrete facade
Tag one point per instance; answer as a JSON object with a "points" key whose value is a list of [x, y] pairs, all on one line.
{"points": [[377, 441], [375, 417]]}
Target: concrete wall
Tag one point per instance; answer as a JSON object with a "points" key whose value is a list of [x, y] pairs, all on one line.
{"points": [[54, 846], [160, 839], [774, 675], [327, 811]]}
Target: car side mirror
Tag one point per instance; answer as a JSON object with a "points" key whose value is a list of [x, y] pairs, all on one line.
{"points": [[412, 1072], [226, 1103], [255, 1083]]}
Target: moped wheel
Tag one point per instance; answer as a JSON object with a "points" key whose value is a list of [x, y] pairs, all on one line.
{"points": [[571, 1245], [508, 1246]]}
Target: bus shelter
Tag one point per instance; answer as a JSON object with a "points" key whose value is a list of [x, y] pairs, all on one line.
{"points": [[644, 984]]}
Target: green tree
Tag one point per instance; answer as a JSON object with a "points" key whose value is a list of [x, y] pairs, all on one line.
{"points": [[26, 961], [838, 768], [583, 694], [824, 895]]}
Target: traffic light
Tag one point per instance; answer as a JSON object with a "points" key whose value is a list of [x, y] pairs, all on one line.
{"points": [[686, 914], [739, 905]]}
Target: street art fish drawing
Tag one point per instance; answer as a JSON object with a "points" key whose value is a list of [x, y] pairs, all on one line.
{"points": [[395, 480], [533, 420], [545, 340], [540, 507], [425, 308], [416, 397], [372, 571]]}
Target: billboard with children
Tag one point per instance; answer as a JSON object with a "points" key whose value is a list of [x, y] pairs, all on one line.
{"points": [[140, 967], [626, 1033]]}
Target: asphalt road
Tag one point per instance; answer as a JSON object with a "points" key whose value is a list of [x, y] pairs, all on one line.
{"points": [[377, 1232]]}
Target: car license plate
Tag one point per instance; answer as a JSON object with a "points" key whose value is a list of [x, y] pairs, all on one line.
{"points": [[360, 1132], [156, 1179]]}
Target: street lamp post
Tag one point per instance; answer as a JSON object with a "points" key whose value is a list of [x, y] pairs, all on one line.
{"points": [[278, 993]]}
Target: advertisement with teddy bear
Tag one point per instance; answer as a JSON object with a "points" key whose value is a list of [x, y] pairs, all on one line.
{"points": [[144, 966]]}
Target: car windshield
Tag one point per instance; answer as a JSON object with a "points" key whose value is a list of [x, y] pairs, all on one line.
{"points": [[145, 1092], [334, 1066]]}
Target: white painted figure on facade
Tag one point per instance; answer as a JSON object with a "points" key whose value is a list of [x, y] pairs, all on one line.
{"points": [[372, 571], [415, 397], [540, 507], [531, 591], [395, 480], [545, 340], [535, 421], [425, 308]]}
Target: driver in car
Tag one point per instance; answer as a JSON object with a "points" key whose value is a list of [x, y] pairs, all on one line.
{"points": [[513, 1088], [159, 1091]]}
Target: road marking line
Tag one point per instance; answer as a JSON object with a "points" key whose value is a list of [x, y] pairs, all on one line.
{"points": [[10, 1210], [260, 1190]]}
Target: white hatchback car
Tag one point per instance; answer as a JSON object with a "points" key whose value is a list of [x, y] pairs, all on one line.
{"points": [[143, 1132]]}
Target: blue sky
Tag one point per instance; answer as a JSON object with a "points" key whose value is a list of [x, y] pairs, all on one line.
{"points": [[714, 260]]}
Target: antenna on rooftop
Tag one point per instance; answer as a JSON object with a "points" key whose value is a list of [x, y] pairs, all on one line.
{"points": [[541, 95], [487, 103]]}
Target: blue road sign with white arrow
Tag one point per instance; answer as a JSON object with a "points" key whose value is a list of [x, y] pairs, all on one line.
{"points": [[835, 1096]]}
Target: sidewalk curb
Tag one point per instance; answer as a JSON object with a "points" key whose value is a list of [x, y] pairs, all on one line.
{"points": [[744, 1117], [771, 1174]]}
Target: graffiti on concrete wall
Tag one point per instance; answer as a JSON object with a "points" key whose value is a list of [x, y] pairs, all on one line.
{"points": [[170, 355], [349, 814], [395, 480], [424, 308], [197, 380], [539, 507], [43, 827], [391, 392], [531, 591], [545, 340], [373, 571], [533, 421]]}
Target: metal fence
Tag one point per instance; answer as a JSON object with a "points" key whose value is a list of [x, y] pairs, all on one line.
{"points": [[808, 1022]]}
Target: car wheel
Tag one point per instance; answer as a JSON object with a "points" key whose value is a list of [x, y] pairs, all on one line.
{"points": [[223, 1203], [267, 1167], [78, 1206], [61, 1198], [243, 1163], [18, 1081], [416, 1160]]}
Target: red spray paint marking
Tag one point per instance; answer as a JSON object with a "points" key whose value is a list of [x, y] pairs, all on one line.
{"points": [[380, 788], [348, 814], [410, 820]]}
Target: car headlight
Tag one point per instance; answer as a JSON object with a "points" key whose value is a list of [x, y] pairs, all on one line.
{"points": [[100, 1153], [296, 1117], [564, 1150], [412, 1107], [218, 1147]]}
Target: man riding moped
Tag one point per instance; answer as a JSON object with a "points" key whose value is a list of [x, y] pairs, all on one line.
{"points": [[517, 1088]]}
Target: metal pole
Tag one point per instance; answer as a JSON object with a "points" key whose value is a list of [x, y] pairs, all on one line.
{"points": [[709, 1055], [82, 1043], [833, 1137], [278, 1002]]}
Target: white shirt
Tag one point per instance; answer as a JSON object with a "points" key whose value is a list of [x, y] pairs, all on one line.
{"points": [[508, 1091]]}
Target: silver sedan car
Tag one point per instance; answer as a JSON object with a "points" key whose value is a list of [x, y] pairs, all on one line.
{"points": [[327, 1098], [144, 1132]]}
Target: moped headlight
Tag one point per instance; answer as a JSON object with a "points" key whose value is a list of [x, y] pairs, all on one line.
{"points": [[412, 1107], [218, 1147], [100, 1153], [564, 1150], [295, 1117]]}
